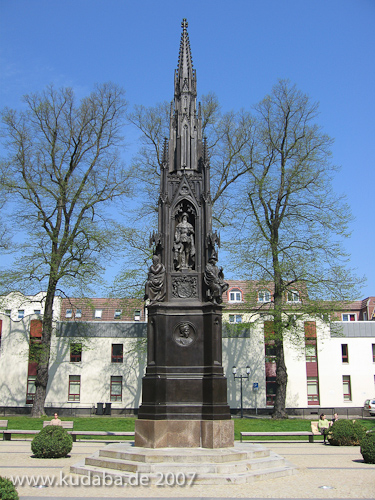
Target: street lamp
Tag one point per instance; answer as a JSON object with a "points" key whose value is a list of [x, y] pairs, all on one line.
{"points": [[234, 371]]}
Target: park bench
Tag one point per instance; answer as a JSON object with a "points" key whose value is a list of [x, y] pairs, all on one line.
{"points": [[3, 423], [69, 425], [7, 433], [74, 434], [66, 424], [310, 434]]}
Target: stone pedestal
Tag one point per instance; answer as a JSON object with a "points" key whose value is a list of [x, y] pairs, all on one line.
{"points": [[184, 433]]}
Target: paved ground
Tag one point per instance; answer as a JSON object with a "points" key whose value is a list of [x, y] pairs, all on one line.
{"points": [[324, 472]]}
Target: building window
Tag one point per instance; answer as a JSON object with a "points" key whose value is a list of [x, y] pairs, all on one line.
{"points": [[116, 389], [312, 391], [118, 313], [117, 353], [31, 389], [37, 312], [235, 295], [74, 387], [311, 351], [293, 296], [373, 353], [270, 390], [21, 313], [68, 313], [79, 313], [348, 317], [137, 315], [98, 313], [344, 353], [270, 352], [264, 296], [75, 353], [235, 318], [346, 387]]}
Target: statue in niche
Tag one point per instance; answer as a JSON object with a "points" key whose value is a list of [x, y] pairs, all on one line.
{"points": [[184, 248], [155, 284], [214, 279]]}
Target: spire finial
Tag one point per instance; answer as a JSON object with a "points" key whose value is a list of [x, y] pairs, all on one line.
{"points": [[184, 24]]}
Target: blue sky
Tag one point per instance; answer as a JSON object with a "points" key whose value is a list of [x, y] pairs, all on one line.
{"points": [[240, 49]]}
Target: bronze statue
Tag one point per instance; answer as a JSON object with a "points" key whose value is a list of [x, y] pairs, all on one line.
{"points": [[155, 284], [184, 248], [214, 279]]}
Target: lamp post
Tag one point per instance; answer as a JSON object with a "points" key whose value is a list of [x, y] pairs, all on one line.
{"points": [[234, 371]]}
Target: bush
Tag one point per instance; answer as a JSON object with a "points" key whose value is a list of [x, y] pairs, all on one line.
{"points": [[7, 490], [52, 442], [346, 433], [368, 448]]}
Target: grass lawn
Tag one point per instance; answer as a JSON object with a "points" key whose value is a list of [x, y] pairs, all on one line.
{"points": [[104, 423]]}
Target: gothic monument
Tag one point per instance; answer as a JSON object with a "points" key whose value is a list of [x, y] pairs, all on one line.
{"points": [[184, 391]]}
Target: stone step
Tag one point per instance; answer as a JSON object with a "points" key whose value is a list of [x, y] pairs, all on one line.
{"points": [[241, 464], [171, 480], [192, 455], [237, 466], [249, 477]]}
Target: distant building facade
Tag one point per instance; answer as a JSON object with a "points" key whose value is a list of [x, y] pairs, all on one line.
{"points": [[98, 353]]}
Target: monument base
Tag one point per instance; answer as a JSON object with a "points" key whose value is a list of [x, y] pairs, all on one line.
{"points": [[184, 433]]}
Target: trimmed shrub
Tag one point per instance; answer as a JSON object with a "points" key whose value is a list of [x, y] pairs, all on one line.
{"points": [[346, 433], [7, 490], [52, 442], [368, 448]]}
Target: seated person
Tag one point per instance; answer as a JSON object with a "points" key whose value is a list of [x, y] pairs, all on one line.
{"points": [[56, 420], [323, 426]]}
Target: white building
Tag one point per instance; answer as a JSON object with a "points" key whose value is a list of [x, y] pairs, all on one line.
{"points": [[331, 366]]}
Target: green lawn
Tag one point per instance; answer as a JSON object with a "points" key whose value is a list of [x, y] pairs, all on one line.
{"points": [[104, 423]]}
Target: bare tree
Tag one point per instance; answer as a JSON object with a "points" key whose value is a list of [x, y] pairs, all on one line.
{"points": [[63, 169], [292, 223], [228, 138]]}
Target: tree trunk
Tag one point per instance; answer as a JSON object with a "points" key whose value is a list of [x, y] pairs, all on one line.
{"points": [[43, 361], [281, 372], [281, 382]]}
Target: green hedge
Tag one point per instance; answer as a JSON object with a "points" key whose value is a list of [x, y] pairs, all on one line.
{"points": [[368, 448], [7, 490], [52, 442], [346, 433]]}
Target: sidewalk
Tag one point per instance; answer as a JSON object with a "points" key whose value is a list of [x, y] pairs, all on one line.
{"points": [[340, 470]]}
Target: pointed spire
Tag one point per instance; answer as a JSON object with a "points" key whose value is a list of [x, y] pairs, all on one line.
{"points": [[205, 150], [185, 74], [165, 151], [185, 146]]}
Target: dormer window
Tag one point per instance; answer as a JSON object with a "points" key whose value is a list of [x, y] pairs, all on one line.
{"points": [[264, 296], [137, 315], [235, 295], [293, 296], [348, 317], [118, 313], [98, 313]]}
